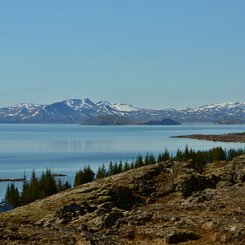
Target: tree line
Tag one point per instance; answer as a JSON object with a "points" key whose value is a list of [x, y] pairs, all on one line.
{"points": [[37, 188], [199, 159]]}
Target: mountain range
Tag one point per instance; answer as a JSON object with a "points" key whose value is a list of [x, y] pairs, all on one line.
{"points": [[81, 110]]}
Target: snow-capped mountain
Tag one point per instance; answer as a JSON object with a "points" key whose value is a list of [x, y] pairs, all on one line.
{"points": [[80, 110], [215, 112]]}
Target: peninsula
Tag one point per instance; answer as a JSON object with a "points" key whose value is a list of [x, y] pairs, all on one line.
{"points": [[234, 137]]}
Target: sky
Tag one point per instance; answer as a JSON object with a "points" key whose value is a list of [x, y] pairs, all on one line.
{"points": [[149, 53]]}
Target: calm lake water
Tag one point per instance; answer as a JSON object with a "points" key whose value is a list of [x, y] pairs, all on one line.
{"points": [[67, 148]]}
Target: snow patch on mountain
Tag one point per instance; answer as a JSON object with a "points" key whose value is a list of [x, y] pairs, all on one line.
{"points": [[78, 104], [124, 107]]}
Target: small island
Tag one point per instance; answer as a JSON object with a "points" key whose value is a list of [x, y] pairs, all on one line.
{"points": [[164, 121], [121, 120], [233, 137], [108, 120], [12, 180], [59, 175]]}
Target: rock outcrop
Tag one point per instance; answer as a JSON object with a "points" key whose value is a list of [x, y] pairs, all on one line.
{"points": [[164, 203]]}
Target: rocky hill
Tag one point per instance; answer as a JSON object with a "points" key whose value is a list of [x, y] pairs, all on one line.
{"points": [[81, 110], [164, 203]]}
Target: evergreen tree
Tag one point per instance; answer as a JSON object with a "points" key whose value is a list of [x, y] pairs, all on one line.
{"points": [[110, 169], [47, 184], [120, 167], [84, 176], [115, 168], [34, 187], [26, 193], [61, 186], [147, 161], [66, 185], [152, 159], [179, 155], [132, 165], [101, 173], [186, 154], [217, 154], [139, 161], [12, 195], [159, 157], [163, 156], [126, 166]]}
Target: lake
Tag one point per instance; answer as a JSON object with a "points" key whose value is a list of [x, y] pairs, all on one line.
{"points": [[65, 148]]}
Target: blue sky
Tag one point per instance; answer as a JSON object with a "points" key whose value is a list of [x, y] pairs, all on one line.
{"points": [[155, 54]]}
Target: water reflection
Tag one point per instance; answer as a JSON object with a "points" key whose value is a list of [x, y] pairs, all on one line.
{"points": [[66, 148]]}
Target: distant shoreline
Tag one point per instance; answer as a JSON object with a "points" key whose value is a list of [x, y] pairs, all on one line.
{"points": [[24, 179], [12, 180], [234, 137]]}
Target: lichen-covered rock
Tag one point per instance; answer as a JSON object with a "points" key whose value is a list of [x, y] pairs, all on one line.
{"points": [[111, 218], [196, 182], [71, 212], [122, 197]]}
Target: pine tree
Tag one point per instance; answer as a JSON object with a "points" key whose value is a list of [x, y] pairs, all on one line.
{"points": [[101, 173], [186, 154], [132, 165], [120, 167], [34, 187], [126, 166], [84, 176], [159, 157], [26, 193], [12, 195], [47, 184], [151, 159], [218, 154], [165, 155], [178, 156], [115, 168], [139, 161], [61, 186], [110, 169], [147, 161]]}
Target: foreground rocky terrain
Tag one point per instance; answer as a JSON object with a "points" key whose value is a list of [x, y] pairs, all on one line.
{"points": [[164, 203]]}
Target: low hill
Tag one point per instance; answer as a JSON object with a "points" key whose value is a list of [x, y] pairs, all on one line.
{"points": [[164, 121], [108, 120], [164, 203]]}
